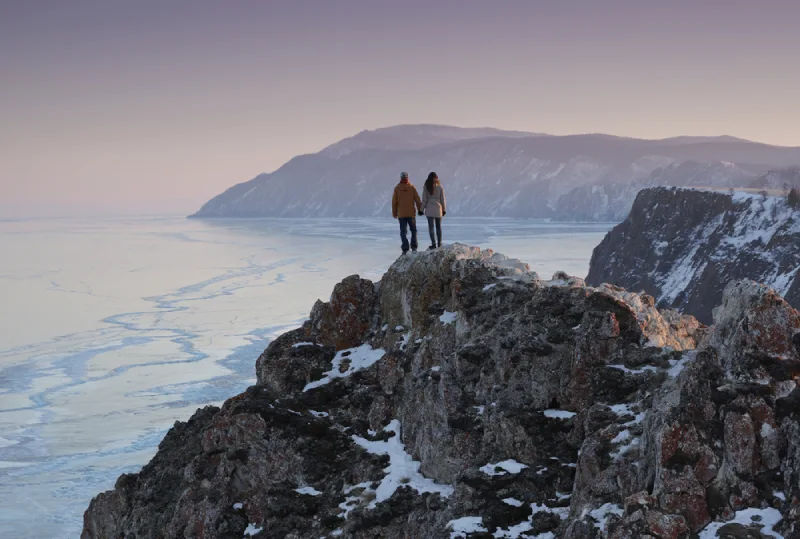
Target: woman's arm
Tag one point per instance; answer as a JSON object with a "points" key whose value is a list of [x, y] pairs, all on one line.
{"points": [[444, 202]]}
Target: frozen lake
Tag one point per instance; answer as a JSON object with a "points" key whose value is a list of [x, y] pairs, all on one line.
{"points": [[111, 330]]}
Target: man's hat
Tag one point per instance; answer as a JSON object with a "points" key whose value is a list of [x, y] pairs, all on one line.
{"points": [[404, 175]]}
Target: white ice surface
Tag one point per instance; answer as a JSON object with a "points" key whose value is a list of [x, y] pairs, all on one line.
{"points": [[5, 442], [155, 317]]}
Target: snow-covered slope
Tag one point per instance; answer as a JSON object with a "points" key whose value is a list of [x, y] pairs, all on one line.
{"points": [[779, 179], [613, 201], [485, 172], [684, 246]]}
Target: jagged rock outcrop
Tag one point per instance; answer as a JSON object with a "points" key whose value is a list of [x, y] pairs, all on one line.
{"points": [[684, 246], [482, 401]]}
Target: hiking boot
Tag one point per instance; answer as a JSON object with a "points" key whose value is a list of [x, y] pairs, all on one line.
{"points": [[432, 247], [413, 250]]}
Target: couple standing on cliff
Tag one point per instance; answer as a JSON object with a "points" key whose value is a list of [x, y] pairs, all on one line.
{"points": [[406, 204]]}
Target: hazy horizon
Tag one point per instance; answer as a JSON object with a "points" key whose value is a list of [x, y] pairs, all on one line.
{"points": [[154, 108]]}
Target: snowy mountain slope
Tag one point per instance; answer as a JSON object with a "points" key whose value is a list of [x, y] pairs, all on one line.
{"points": [[778, 179], [613, 201], [684, 246], [504, 174]]}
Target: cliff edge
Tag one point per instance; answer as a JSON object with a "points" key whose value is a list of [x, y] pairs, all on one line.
{"points": [[463, 396], [684, 246]]}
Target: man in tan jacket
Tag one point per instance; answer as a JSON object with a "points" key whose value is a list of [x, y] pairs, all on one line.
{"points": [[406, 204]]}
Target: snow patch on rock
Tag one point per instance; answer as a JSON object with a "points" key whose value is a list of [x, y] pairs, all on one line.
{"points": [[601, 514], [447, 318], [504, 467], [403, 470], [766, 519], [465, 525], [559, 414], [308, 491], [359, 358]]}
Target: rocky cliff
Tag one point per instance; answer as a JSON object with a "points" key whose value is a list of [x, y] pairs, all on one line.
{"points": [[492, 173], [462, 396], [684, 246]]}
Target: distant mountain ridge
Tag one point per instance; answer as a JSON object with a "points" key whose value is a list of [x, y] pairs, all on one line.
{"points": [[414, 137], [489, 172]]}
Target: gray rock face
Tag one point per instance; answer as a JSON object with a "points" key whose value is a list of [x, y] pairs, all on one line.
{"points": [[683, 247], [482, 401], [493, 173]]}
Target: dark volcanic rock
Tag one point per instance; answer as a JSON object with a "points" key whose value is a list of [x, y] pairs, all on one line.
{"points": [[683, 247], [477, 400]]}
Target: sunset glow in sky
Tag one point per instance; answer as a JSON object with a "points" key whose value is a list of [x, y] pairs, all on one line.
{"points": [[155, 106]]}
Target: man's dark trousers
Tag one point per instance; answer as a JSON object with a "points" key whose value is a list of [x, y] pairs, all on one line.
{"points": [[405, 224]]}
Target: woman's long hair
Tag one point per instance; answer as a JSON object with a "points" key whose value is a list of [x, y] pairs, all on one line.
{"points": [[431, 182]]}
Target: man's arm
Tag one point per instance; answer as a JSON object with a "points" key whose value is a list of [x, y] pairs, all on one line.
{"points": [[417, 201], [394, 204]]}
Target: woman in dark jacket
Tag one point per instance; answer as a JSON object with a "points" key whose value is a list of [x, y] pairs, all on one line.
{"points": [[435, 207]]}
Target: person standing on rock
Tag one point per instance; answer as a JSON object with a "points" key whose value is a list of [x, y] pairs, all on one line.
{"points": [[435, 207], [405, 205]]}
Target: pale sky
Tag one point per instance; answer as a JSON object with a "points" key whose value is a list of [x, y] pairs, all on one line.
{"points": [[152, 106]]}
